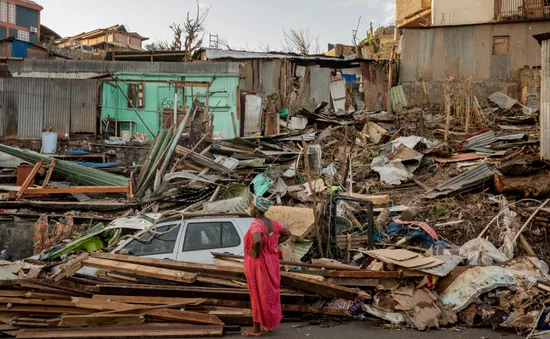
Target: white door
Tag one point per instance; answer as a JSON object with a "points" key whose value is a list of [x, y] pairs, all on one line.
{"points": [[159, 242], [206, 236]]}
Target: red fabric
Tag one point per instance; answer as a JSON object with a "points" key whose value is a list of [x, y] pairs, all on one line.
{"points": [[263, 275]]}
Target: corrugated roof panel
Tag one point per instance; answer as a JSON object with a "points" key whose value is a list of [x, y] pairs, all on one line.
{"points": [[482, 139], [398, 96], [466, 180], [82, 69]]}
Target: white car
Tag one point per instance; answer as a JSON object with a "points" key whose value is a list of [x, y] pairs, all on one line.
{"points": [[190, 239]]}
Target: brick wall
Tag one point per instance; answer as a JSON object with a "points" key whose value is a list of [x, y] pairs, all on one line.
{"points": [[405, 8]]}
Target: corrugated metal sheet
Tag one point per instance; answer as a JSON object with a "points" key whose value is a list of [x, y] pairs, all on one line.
{"points": [[398, 96], [225, 54], [57, 106], [28, 105], [479, 140], [466, 180], [82, 69], [83, 106], [545, 102], [503, 100]]}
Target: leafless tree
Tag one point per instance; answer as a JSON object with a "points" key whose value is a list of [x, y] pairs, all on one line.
{"points": [[223, 43], [264, 48], [187, 37], [299, 41], [194, 30]]}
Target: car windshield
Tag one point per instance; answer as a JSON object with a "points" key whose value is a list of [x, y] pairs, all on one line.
{"points": [[158, 240]]}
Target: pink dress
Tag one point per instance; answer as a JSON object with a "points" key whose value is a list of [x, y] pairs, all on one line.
{"points": [[263, 275]]}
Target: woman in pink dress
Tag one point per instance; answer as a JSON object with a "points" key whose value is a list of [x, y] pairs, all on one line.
{"points": [[262, 269]]}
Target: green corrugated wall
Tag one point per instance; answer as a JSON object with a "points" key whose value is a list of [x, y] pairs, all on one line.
{"points": [[223, 94]]}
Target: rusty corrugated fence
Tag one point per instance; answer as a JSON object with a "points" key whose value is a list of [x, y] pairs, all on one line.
{"points": [[30, 105]]}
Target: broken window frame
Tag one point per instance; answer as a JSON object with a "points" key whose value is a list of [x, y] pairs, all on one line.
{"points": [[225, 228]]}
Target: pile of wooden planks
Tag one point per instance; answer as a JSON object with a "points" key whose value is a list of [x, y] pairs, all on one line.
{"points": [[101, 295]]}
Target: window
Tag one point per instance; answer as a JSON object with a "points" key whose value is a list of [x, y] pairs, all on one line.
{"points": [[160, 240], [501, 45], [11, 14], [22, 35], [136, 95], [206, 236], [3, 11]]}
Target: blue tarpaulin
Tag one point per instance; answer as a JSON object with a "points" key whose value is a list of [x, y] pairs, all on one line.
{"points": [[97, 164]]}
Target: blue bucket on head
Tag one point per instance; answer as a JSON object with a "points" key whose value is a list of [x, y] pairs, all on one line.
{"points": [[49, 142]]}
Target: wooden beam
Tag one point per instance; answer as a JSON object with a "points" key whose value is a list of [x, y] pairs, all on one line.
{"points": [[70, 267], [101, 320], [204, 269], [162, 314], [148, 271], [77, 189], [50, 172], [376, 199], [183, 331], [29, 179]]}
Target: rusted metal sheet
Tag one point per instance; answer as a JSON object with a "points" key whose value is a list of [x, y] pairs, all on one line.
{"points": [[473, 283]]}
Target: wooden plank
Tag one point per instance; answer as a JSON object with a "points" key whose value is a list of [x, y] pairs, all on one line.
{"points": [[148, 271], [22, 301], [101, 320], [203, 269], [320, 288], [70, 267], [183, 331], [49, 174], [376, 199], [169, 300], [366, 274], [398, 254], [29, 179], [31, 295], [77, 189], [189, 292], [163, 314], [43, 309]]}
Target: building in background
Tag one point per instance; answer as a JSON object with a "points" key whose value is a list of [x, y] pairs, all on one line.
{"points": [[488, 41], [20, 19], [114, 38]]}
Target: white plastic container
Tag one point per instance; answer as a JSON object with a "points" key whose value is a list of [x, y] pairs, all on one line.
{"points": [[49, 142], [126, 136]]}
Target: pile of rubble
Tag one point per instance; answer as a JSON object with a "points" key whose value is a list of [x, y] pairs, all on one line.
{"points": [[409, 217]]}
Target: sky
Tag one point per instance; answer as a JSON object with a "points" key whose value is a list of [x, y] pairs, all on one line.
{"points": [[244, 24]]}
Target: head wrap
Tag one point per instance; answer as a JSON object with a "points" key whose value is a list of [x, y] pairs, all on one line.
{"points": [[262, 204]]}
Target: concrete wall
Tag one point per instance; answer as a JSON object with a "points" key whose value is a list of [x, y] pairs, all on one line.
{"points": [[462, 12], [467, 51]]}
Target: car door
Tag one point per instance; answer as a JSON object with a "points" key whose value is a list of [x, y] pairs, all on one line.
{"points": [[202, 237], [159, 242]]}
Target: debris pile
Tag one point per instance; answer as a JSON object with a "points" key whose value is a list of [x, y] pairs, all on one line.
{"points": [[408, 217]]}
